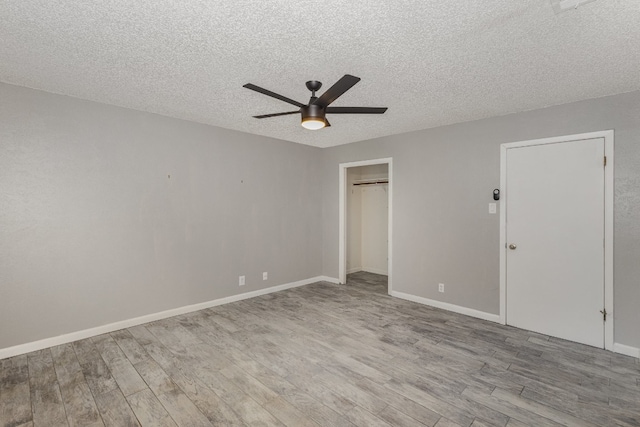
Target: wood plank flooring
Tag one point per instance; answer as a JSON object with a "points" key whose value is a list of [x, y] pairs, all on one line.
{"points": [[321, 355]]}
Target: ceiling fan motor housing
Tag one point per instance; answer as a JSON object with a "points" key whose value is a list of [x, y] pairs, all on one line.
{"points": [[311, 112]]}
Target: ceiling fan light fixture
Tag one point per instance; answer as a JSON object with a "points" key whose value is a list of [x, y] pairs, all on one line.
{"points": [[313, 124], [313, 117]]}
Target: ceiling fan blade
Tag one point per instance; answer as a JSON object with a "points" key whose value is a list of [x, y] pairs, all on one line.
{"points": [[356, 110], [264, 116], [334, 92], [326, 123], [272, 94]]}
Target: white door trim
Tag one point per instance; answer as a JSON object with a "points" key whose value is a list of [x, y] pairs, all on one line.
{"points": [[342, 207], [608, 222]]}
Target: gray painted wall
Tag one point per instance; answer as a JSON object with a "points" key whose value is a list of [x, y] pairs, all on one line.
{"points": [[442, 183], [93, 231]]}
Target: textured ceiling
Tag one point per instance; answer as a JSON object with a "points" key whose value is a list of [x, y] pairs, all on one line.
{"points": [[431, 62]]}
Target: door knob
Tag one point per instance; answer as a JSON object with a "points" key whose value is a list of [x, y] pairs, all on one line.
{"points": [[512, 246]]}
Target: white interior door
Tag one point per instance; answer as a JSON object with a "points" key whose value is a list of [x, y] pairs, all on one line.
{"points": [[555, 239]]}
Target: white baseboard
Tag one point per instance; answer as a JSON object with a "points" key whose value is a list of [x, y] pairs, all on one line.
{"points": [[375, 271], [327, 279], [87, 333], [626, 350], [91, 332], [446, 306], [368, 270], [617, 348]]}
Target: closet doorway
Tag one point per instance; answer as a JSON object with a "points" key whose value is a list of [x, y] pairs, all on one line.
{"points": [[365, 222]]}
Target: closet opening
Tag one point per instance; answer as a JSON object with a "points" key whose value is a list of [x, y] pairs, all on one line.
{"points": [[365, 224]]}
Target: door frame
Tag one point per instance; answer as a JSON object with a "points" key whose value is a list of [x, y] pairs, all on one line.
{"points": [[608, 222], [342, 208]]}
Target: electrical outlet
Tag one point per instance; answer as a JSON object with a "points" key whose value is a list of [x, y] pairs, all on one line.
{"points": [[440, 287], [265, 275], [241, 281]]}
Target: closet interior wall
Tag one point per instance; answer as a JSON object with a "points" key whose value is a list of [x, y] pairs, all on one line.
{"points": [[367, 219]]}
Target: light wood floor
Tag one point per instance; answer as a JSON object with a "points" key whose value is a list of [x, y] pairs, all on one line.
{"points": [[326, 355]]}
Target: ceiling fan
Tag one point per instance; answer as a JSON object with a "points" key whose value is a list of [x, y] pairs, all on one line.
{"points": [[313, 113]]}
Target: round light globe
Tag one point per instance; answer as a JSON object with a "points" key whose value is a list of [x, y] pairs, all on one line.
{"points": [[313, 124]]}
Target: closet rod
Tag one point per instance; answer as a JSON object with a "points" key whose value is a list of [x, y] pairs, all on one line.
{"points": [[379, 181]]}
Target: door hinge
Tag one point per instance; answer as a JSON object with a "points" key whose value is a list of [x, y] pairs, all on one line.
{"points": [[605, 160], [604, 314]]}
